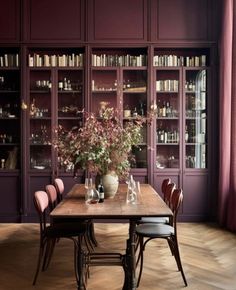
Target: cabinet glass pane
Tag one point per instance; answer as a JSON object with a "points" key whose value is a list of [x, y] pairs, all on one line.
{"points": [[167, 121], [70, 93], [104, 90], [134, 89], [9, 116], [196, 118], [40, 119]]}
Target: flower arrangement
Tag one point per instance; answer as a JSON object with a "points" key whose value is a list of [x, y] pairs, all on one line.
{"points": [[101, 145]]}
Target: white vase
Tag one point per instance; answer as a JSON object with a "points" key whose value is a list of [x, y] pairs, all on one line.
{"points": [[110, 183]]}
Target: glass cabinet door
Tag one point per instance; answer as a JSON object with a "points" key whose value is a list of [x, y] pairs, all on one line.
{"points": [[104, 87], [167, 120], [9, 118], [134, 96], [40, 114], [196, 118], [70, 100]]}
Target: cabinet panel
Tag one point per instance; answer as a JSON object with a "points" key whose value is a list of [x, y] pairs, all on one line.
{"points": [[180, 20], [55, 20], [195, 196], [36, 183], [10, 197], [10, 20], [123, 20]]}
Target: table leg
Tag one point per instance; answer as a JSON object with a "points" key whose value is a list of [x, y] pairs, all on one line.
{"points": [[129, 263], [80, 266]]}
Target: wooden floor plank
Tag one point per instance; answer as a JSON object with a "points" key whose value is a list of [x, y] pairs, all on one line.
{"points": [[208, 256]]}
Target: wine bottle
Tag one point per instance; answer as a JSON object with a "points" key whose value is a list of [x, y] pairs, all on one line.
{"points": [[101, 192]]}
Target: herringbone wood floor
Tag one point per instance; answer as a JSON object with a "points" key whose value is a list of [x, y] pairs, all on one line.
{"points": [[208, 256]]}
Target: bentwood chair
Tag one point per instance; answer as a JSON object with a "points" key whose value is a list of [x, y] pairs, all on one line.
{"points": [[59, 184], [168, 191], [50, 234], [53, 201], [52, 196], [150, 231]]}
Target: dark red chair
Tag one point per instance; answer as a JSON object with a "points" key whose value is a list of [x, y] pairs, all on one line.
{"points": [[150, 231]]}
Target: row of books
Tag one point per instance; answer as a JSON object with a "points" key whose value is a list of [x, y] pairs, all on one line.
{"points": [[119, 60], [167, 86], [9, 60], [174, 60], [65, 60]]}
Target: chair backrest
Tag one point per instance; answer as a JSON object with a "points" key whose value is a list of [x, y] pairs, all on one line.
{"points": [[176, 201], [168, 193], [41, 204], [52, 195], [59, 184], [164, 184]]}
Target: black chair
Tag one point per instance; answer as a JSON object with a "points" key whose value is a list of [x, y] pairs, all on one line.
{"points": [[50, 234], [150, 231]]}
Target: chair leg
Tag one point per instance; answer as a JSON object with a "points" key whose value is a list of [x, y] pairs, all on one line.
{"points": [[140, 257], [49, 253], [41, 251], [173, 240]]}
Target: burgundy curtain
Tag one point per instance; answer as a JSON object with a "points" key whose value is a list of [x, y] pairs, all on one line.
{"points": [[227, 169]]}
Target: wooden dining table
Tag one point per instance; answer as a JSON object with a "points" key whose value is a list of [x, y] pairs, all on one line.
{"points": [[149, 204]]}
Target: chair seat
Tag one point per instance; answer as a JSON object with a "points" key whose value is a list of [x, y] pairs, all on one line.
{"points": [[65, 230], [152, 230], [157, 220]]}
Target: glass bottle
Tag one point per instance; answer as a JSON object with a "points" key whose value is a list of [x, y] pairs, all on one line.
{"points": [[101, 192]]}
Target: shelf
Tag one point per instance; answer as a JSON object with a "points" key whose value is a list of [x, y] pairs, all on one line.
{"points": [[7, 68], [167, 118], [9, 144], [175, 144], [9, 118], [69, 118], [40, 91], [104, 91], [9, 92], [135, 92], [167, 92], [69, 92], [40, 118], [40, 144], [196, 143]]}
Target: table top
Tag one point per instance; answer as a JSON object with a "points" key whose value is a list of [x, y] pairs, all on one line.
{"points": [[149, 204]]}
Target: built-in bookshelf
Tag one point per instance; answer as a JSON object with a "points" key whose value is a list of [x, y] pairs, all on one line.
{"points": [[9, 60], [64, 60], [119, 60], [175, 60]]}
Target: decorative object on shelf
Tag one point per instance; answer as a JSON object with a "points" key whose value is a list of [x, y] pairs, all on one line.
{"points": [[11, 161], [101, 145], [102, 109]]}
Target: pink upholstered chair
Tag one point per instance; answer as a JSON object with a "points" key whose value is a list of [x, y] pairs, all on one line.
{"points": [[52, 195], [91, 239], [59, 184], [49, 234]]}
